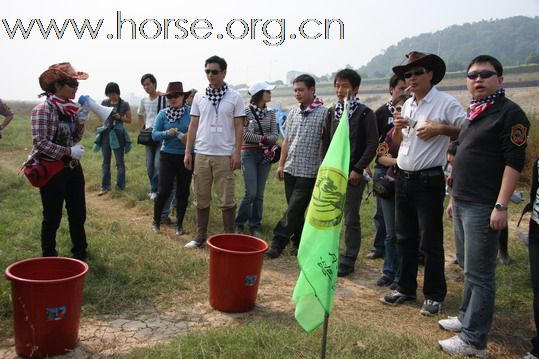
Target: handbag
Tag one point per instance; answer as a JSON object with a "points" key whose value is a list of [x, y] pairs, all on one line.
{"points": [[145, 135], [40, 172], [272, 154], [383, 187]]}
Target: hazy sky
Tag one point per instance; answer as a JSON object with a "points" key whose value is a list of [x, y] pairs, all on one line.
{"points": [[176, 54]]}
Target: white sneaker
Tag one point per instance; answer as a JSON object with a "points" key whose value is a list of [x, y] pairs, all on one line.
{"points": [[153, 196], [451, 324], [456, 346], [192, 245], [529, 356]]}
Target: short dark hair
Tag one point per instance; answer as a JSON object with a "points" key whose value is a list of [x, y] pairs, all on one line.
{"points": [[491, 60], [394, 80], [308, 80], [148, 77], [112, 87], [348, 74], [216, 60]]}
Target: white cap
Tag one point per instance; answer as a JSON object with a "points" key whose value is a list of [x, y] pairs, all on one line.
{"points": [[260, 86]]}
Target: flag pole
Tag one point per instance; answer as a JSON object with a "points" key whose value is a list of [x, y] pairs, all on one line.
{"points": [[325, 335]]}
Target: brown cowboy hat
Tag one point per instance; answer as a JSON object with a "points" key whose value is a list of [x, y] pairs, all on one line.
{"points": [[176, 87], [61, 71], [430, 62]]}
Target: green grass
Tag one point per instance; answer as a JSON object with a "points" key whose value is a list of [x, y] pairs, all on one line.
{"points": [[132, 269]]}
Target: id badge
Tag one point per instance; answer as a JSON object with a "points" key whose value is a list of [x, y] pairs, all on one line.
{"points": [[405, 145], [215, 128]]}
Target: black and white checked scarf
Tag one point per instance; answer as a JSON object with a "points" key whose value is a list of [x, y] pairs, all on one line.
{"points": [[175, 113], [478, 106], [215, 95], [339, 108], [259, 113]]}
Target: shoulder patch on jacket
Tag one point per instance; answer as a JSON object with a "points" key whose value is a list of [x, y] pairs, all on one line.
{"points": [[519, 134]]}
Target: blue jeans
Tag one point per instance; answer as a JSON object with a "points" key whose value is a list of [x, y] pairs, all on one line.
{"points": [[152, 166], [352, 224], [533, 248], [379, 223], [255, 173], [391, 260], [472, 220], [119, 157]]}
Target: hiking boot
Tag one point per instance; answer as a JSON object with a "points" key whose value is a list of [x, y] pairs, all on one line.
{"points": [[273, 252], [375, 255], [431, 307], [156, 227], [344, 271], [451, 324], [384, 281], [456, 346], [396, 298], [229, 216]]}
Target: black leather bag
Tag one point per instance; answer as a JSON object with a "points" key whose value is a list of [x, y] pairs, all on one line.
{"points": [[145, 138], [383, 187]]}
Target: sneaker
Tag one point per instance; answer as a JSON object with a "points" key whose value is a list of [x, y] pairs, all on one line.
{"points": [[344, 271], [193, 245], [394, 286], [273, 252], [530, 356], [103, 192], [451, 324], [152, 195], [180, 231], [374, 255], [155, 227], [384, 281], [504, 258], [456, 346], [431, 307], [397, 298]]}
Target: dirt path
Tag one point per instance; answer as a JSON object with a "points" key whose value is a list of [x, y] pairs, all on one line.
{"points": [[356, 299]]}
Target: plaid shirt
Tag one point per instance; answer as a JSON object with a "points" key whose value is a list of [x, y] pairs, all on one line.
{"points": [[304, 136], [44, 125]]}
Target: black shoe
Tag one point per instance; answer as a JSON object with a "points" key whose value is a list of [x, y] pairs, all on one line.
{"points": [[273, 252], [345, 271], [375, 255], [166, 221], [180, 231], [393, 286], [504, 258], [384, 281], [397, 298], [155, 227]]}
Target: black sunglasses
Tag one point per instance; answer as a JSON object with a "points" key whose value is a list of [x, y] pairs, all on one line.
{"points": [[213, 72], [416, 72], [485, 74], [71, 83], [174, 95]]}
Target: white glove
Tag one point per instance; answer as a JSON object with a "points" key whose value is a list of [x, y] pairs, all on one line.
{"points": [[77, 152], [182, 137]]}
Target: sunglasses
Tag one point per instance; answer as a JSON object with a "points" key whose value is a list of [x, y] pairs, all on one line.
{"points": [[174, 95], [213, 72], [394, 109], [485, 74], [416, 72], [71, 83]]}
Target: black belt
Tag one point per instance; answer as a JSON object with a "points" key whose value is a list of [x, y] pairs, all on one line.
{"points": [[428, 172], [70, 162]]}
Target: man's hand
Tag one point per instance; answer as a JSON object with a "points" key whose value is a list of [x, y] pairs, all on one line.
{"points": [[188, 161], [235, 161], [355, 178], [449, 211], [428, 130], [498, 219], [400, 122], [280, 173]]}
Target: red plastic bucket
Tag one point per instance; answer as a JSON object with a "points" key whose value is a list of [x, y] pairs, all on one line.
{"points": [[235, 266], [47, 295]]}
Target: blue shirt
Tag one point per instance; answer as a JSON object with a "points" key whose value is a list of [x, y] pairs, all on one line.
{"points": [[159, 132]]}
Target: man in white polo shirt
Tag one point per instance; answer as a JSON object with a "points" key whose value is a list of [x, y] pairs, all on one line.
{"points": [[429, 119], [215, 133]]}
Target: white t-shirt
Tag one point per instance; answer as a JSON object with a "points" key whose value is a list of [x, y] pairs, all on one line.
{"points": [[216, 134], [148, 109], [416, 154]]}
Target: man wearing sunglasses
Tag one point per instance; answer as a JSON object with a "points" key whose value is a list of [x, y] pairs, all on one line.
{"points": [[216, 134], [486, 170], [423, 129]]}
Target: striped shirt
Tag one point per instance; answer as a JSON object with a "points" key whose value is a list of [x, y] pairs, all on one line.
{"points": [[44, 126], [251, 131]]}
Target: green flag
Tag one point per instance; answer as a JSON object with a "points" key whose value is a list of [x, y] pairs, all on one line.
{"points": [[319, 247]]}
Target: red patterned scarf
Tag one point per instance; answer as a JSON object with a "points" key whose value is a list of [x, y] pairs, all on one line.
{"points": [[317, 102], [66, 107], [478, 106]]}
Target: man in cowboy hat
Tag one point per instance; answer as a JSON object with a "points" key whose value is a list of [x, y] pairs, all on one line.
{"points": [[216, 134], [490, 157], [427, 121]]}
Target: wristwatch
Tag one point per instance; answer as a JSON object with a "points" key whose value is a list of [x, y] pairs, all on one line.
{"points": [[501, 207]]}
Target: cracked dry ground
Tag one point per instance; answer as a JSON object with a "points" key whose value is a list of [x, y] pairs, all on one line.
{"points": [[356, 300]]}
